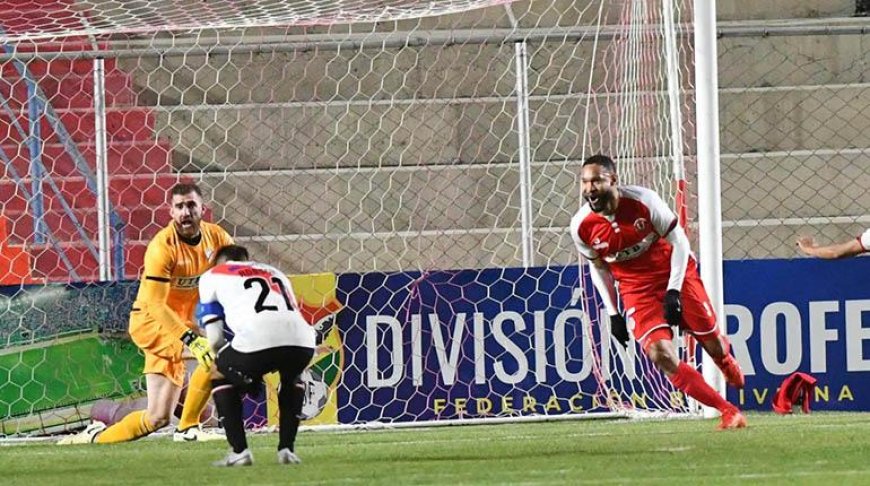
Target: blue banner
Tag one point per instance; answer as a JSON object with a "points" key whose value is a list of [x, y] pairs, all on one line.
{"points": [[496, 342], [803, 315], [415, 346], [477, 343]]}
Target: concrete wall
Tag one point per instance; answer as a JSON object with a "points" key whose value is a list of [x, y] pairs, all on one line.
{"points": [[389, 158]]}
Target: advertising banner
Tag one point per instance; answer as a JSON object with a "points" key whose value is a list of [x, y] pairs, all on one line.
{"points": [[805, 315], [474, 344], [413, 346]]}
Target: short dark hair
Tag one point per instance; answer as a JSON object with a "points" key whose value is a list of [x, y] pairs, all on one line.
{"points": [[602, 160], [183, 188], [234, 253]]}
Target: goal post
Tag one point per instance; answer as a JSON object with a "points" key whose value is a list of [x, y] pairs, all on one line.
{"points": [[709, 174], [413, 166]]}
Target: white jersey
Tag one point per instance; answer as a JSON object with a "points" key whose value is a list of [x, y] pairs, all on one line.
{"points": [[258, 306]]}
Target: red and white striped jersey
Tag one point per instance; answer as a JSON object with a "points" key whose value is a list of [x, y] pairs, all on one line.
{"points": [[631, 240]]}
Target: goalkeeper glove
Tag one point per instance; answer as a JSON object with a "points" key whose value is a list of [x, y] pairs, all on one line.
{"points": [[673, 308], [619, 330], [199, 347]]}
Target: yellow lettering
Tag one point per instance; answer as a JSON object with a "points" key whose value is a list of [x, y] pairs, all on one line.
{"points": [[741, 398], [760, 398], [439, 405], [614, 399], [573, 403], [529, 403], [638, 400], [846, 394], [507, 403], [677, 399], [484, 406], [460, 405], [823, 394], [553, 404]]}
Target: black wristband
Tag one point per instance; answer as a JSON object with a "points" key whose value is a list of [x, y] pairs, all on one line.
{"points": [[188, 337]]}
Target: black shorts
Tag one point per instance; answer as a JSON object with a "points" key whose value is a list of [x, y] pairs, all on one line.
{"points": [[247, 369]]}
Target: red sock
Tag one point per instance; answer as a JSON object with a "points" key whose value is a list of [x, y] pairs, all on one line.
{"points": [[726, 350], [720, 361], [690, 382]]}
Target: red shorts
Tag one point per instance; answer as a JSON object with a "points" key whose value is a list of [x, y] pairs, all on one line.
{"points": [[643, 307]]}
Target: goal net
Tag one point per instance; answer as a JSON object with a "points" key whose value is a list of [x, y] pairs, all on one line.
{"points": [[413, 165]]}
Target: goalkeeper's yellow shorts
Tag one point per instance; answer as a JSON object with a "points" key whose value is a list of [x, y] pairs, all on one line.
{"points": [[163, 353]]}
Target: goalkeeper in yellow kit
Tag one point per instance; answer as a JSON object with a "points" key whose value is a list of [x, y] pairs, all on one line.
{"points": [[161, 325]]}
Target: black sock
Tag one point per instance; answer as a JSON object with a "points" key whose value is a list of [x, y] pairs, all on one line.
{"points": [[229, 407], [290, 399]]}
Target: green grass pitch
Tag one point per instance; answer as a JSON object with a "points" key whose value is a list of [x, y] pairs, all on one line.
{"points": [[801, 449]]}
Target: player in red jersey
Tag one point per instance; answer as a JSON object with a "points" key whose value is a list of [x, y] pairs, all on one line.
{"points": [[631, 238]]}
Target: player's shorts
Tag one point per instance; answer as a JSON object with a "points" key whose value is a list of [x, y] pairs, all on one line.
{"points": [[644, 307], [163, 353], [246, 370]]}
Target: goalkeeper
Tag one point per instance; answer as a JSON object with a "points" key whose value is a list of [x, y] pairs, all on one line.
{"points": [[161, 325]]}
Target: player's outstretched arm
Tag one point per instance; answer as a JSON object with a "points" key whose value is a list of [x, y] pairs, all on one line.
{"points": [[808, 246]]}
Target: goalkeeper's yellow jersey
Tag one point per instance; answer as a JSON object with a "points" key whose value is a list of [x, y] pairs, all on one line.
{"points": [[168, 288]]}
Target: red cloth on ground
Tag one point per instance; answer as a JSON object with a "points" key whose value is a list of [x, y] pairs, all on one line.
{"points": [[796, 388]]}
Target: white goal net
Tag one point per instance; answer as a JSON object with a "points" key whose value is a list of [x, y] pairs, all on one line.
{"points": [[413, 165]]}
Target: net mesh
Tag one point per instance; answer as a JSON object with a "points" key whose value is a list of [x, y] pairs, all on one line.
{"points": [[402, 158]]}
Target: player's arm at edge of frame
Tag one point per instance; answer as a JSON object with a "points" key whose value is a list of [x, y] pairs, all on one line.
{"points": [[850, 248]]}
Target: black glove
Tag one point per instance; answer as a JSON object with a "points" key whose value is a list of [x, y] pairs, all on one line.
{"points": [[673, 308], [619, 330]]}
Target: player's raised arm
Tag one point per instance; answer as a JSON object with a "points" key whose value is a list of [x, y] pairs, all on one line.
{"points": [[850, 248]]}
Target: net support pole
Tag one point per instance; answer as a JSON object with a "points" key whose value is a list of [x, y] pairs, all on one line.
{"points": [[675, 122], [102, 172], [709, 183], [522, 89], [35, 111]]}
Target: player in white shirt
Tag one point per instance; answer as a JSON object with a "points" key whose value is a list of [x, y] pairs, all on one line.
{"points": [[629, 236], [256, 302], [850, 248]]}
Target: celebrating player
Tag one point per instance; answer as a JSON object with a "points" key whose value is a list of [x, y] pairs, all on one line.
{"points": [[849, 248], [256, 302], [631, 237], [161, 325]]}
